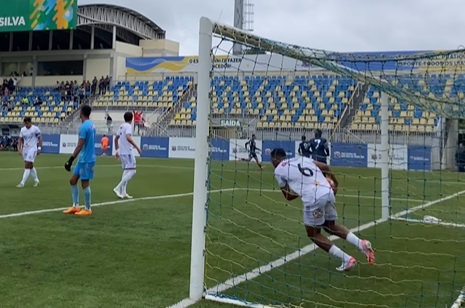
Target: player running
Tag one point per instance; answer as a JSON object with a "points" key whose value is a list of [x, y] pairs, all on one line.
{"points": [[319, 147], [305, 178], [84, 169], [124, 151], [304, 148], [251, 146], [29, 146]]}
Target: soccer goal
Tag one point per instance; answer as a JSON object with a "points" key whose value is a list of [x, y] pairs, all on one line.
{"points": [[391, 121]]}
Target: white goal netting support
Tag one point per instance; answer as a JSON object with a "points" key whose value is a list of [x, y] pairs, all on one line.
{"points": [[392, 125]]}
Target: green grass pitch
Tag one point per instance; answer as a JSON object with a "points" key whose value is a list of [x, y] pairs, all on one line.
{"points": [[137, 253]]}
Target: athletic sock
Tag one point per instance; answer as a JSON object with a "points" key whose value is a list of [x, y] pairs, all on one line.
{"points": [[34, 175], [354, 240], [75, 194], [87, 197], [126, 178], [26, 174], [338, 253]]}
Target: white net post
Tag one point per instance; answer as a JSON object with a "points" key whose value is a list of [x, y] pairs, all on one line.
{"points": [[385, 152], [199, 212]]}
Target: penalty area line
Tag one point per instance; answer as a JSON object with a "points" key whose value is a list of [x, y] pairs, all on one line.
{"points": [[161, 197]]}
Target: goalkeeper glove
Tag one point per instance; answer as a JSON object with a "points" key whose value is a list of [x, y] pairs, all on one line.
{"points": [[69, 163]]}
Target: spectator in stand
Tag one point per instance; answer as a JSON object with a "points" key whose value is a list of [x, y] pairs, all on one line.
{"points": [[107, 84], [93, 88], [138, 120], [109, 123], [101, 86]]}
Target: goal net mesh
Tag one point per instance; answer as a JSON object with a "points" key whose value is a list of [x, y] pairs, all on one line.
{"points": [[257, 250]]}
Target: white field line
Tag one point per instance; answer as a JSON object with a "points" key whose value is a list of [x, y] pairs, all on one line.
{"points": [[421, 221], [232, 282], [35, 212], [161, 197]]}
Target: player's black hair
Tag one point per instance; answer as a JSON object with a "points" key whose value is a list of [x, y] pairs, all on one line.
{"points": [[104, 135], [86, 110], [278, 153], [253, 135], [304, 138], [128, 116], [27, 120], [318, 133]]}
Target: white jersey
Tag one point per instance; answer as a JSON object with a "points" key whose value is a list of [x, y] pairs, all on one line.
{"points": [[30, 137], [125, 148], [303, 178]]}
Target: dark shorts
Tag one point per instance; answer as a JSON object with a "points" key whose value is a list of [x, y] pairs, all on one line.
{"points": [[253, 155]]}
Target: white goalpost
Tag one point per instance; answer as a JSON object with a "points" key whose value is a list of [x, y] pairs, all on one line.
{"points": [[397, 183]]}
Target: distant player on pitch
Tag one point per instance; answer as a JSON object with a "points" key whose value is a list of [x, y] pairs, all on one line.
{"points": [[29, 146], [302, 177], [124, 145], [319, 147], [304, 148], [251, 147], [84, 169]]}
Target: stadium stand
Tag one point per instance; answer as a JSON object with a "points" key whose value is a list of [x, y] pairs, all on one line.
{"points": [[299, 102], [44, 104], [163, 93], [317, 101]]}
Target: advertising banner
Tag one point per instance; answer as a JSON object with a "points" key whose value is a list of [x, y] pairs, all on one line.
{"points": [[32, 15], [68, 143], [220, 149], [238, 151], [221, 62], [398, 156], [349, 154], [51, 144], [182, 148], [155, 147], [419, 158], [268, 146]]}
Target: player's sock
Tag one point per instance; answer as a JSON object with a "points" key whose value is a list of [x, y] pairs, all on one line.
{"points": [[354, 240], [121, 183], [34, 175], [87, 197], [26, 174], [126, 178], [338, 253], [75, 194]]}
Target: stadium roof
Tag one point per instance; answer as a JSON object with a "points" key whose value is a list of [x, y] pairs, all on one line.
{"points": [[128, 22]]}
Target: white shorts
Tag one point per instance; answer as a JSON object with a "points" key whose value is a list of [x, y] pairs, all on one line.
{"points": [[321, 210], [128, 161], [29, 155]]}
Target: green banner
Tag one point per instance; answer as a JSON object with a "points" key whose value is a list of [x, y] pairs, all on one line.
{"points": [[37, 15]]}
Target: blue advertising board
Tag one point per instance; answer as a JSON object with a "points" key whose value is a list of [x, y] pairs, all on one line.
{"points": [[155, 147], [220, 149], [349, 154], [51, 144], [269, 145], [419, 158]]}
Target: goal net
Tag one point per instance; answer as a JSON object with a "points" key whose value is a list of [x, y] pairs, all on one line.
{"points": [[391, 121]]}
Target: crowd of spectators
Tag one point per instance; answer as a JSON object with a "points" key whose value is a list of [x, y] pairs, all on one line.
{"points": [[8, 143]]}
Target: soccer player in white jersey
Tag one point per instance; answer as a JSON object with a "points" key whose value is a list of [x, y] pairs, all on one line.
{"points": [[29, 146], [302, 177], [124, 146]]}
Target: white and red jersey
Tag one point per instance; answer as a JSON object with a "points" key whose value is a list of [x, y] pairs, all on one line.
{"points": [[303, 177], [30, 137], [125, 148]]}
